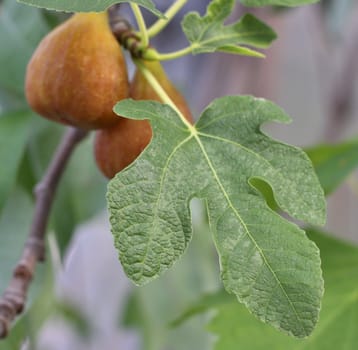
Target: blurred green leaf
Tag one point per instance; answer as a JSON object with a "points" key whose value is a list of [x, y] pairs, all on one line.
{"points": [[209, 34], [333, 163], [336, 329], [88, 5], [39, 149], [289, 3], [26, 178], [21, 28], [15, 221], [81, 194], [43, 145], [266, 191], [53, 19], [15, 129], [10, 101], [206, 302]]}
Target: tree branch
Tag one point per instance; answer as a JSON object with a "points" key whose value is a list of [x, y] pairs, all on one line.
{"points": [[13, 300]]}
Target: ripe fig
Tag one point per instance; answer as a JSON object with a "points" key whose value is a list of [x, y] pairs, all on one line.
{"points": [[118, 146], [78, 73]]}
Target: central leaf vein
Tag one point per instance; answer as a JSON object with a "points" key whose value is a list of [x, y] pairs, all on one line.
{"points": [[224, 37], [237, 214], [239, 145]]}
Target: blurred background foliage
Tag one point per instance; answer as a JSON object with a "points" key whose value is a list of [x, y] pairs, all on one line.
{"points": [[80, 298]]}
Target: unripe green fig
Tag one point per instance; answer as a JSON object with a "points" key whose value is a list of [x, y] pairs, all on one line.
{"points": [[78, 73], [117, 147]]}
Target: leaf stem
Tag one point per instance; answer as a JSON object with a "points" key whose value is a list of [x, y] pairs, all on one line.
{"points": [[152, 54], [154, 83], [141, 24], [159, 25]]}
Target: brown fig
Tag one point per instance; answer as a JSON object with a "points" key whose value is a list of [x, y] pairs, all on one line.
{"points": [[78, 73], [117, 147]]}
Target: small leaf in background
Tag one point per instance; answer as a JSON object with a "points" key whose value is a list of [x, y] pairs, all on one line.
{"points": [[80, 194], [88, 5], [289, 3], [15, 130], [209, 34], [333, 163], [206, 303], [266, 261], [13, 232], [237, 329]]}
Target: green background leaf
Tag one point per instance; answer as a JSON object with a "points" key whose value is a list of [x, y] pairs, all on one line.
{"points": [[21, 28], [289, 3], [236, 328], [333, 163], [209, 34], [15, 129], [81, 194], [261, 253], [12, 231], [87, 5]]}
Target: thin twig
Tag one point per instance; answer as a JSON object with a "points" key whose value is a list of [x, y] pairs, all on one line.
{"points": [[13, 300]]}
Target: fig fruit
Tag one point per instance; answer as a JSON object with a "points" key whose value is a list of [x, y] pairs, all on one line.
{"points": [[118, 146], [78, 73]]}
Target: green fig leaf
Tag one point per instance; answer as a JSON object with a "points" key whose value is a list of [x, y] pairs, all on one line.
{"points": [[288, 3], [88, 5], [266, 261], [236, 328], [209, 34]]}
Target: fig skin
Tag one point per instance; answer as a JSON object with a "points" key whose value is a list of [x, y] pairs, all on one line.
{"points": [[78, 73], [117, 147]]}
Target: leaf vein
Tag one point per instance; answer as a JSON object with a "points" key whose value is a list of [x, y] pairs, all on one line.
{"points": [[156, 206], [227, 197]]}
